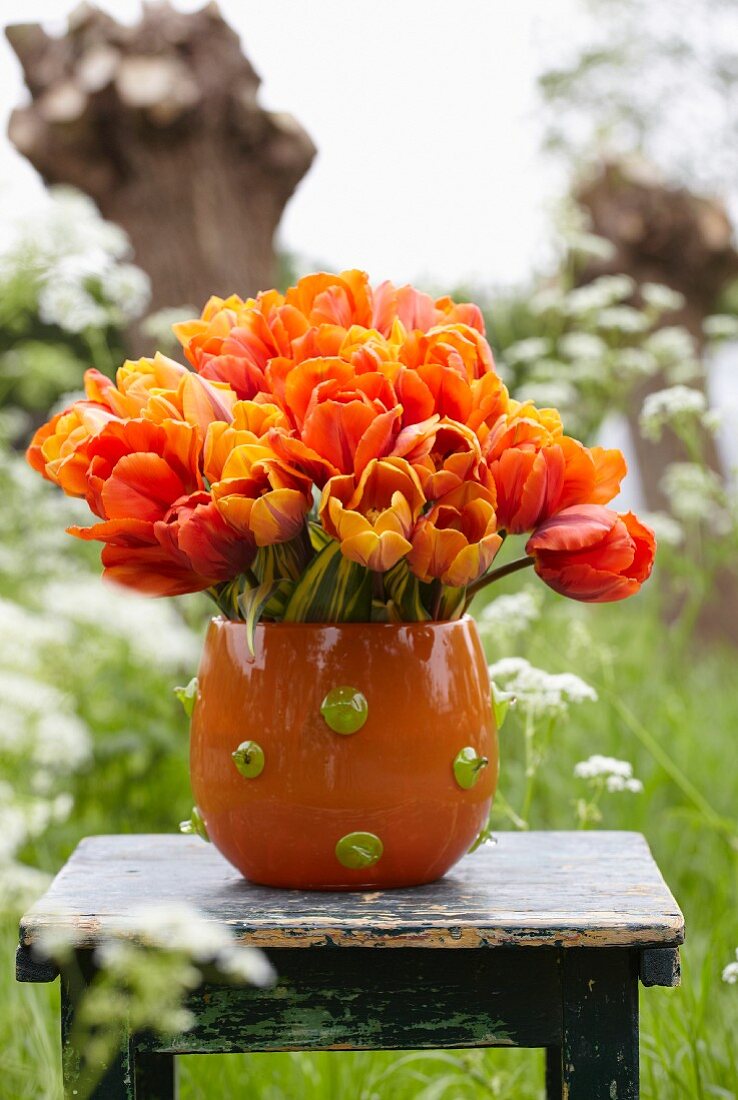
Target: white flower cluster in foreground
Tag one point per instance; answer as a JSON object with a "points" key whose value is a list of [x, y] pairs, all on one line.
{"points": [[147, 967], [151, 628], [674, 407], [730, 972], [608, 772], [51, 606], [179, 928], [538, 693]]}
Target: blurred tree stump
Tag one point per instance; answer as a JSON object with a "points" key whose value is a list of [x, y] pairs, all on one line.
{"points": [[664, 235], [668, 235], [160, 124]]}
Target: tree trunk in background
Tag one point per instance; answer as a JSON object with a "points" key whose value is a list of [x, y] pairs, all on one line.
{"points": [[663, 235], [159, 123], [668, 235]]}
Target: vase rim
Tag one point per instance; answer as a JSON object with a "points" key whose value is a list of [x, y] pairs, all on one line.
{"points": [[349, 628]]}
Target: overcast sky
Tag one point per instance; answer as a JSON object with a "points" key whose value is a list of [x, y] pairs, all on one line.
{"points": [[424, 114]]}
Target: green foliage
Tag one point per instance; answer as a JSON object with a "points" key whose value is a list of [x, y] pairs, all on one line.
{"points": [[67, 293], [332, 589]]}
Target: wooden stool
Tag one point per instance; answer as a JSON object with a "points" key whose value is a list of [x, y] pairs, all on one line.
{"points": [[537, 941]]}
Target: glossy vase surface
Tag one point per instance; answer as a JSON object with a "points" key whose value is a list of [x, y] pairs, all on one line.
{"points": [[360, 750]]}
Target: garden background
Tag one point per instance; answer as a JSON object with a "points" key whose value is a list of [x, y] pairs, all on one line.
{"points": [[572, 167]]}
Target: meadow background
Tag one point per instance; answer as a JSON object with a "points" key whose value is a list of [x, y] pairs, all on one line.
{"points": [[92, 738]]}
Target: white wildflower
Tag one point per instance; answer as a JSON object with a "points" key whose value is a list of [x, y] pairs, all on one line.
{"points": [[662, 298], [582, 345], [696, 495], [128, 288], [730, 972], [152, 628], [559, 394], [721, 326], [177, 927], [20, 886], [670, 344], [624, 319], [589, 245], [608, 772], [634, 363], [673, 406], [514, 612], [539, 693], [525, 351], [549, 299], [598, 295], [70, 306]]}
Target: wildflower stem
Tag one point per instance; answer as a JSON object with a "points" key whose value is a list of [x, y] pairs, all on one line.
{"points": [[497, 575]]}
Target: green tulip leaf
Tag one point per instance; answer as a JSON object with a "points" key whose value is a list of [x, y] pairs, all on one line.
{"points": [[268, 599], [405, 593], [332, 589]]}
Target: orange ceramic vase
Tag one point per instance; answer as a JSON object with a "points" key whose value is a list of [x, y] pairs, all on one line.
{"points": [[365, 753]]}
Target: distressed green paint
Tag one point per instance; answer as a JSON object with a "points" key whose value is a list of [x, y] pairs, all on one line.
{"points": [[337, 1000], [249, 759], [345, 710], [359, 850], [468, 766], [195, 826]]}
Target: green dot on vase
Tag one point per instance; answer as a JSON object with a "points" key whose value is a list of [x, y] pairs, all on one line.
{"points": [[468, 766], [357, 850], [345, 709], [195, 826], [249, 759]]}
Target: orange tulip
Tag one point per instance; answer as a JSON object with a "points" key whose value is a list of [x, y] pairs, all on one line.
{"points": [[458, 347], [456, 541], [373, 516], [343, 299], [194, 533], [442, 452], [260, 496], [534, 484], [490, 402], [58, 449], [137, 469], [343, 420], [590, 553]]}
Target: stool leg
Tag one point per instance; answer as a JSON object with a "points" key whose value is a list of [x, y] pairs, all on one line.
{"points": [[553, 1073], [156, 1077], [600, 1023], [116, 1078]]}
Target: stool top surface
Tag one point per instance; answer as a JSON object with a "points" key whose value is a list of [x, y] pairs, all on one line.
{"points": [[570, 889]]}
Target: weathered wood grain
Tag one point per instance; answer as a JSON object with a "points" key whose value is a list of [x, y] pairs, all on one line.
{"points": [[555, 889]]}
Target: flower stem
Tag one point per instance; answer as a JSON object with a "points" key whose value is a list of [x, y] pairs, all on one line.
{"points": [[497, 575]]}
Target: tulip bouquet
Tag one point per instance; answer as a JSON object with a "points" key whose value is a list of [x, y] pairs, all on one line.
{"points": [[337, 453]]}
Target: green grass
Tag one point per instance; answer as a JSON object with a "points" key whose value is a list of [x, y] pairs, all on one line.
{"points": [[672, 713]]}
